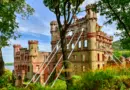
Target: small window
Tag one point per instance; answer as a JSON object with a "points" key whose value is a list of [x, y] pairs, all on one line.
{"points": [[72, 46], [67, 46], [57, 47], [83, 57], [28, 69], [31, 47], [37, 68], [102, 57], [98, 66], [83, 68], [103, 65], [98, 57], [79, 45], [85, 43], [74, 57], [70, 33]]}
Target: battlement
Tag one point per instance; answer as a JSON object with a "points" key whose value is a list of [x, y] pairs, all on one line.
{"points": [[90, 6], [32, 42], [17, 46], [53, 23]]}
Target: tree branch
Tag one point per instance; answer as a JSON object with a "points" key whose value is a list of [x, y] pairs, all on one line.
{"points": [[123, 24]]}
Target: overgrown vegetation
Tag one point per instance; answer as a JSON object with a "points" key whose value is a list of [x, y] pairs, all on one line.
{"points": [[124, 53], [109, 79]]}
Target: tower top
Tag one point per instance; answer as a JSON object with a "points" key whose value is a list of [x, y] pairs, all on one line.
{"points": [[17, 46], [53, 23], [90, 6], [32, 42]]}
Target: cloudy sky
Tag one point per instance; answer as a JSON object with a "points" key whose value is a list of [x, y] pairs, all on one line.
{"points": [[37, 27]]}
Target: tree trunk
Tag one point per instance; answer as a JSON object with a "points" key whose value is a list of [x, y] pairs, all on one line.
{"points": [[1, 63], [65, 59]]}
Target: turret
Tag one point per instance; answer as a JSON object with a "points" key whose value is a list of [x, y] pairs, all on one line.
{"points": [[33, 48], [54, 33], [33, 54], [16, 48], [54, 27], [91, 35]]}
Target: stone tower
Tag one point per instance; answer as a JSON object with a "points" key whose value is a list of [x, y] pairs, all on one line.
{"points": [[91, 35], [54, 33], [33, 54], [16, 48]]}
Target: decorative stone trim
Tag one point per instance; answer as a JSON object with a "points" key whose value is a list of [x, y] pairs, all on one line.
{"points": [[91, 35]]}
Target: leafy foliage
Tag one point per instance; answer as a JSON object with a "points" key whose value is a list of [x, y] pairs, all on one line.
{"points": [[8, 24], [109, 79], [124, 53], [117, 11]]}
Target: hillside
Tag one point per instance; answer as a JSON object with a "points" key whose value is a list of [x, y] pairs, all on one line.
{"points": [[116, 45]]}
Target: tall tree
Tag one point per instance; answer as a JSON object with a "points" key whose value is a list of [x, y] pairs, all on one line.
{"points": [[118, 11], [64, 9], [8, 24]]}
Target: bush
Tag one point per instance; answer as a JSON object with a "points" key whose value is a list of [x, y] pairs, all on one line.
{"points": [[109, 79]]}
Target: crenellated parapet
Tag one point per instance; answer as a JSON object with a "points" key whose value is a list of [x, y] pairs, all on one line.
{"points": [[91, 15], [32, 42], [17, 46]]}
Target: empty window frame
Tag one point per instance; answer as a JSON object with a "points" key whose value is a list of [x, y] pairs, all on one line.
{"points": [[83, 57], [98, 66], [74, 57], [67, 46], [79, 44], [72, 46], [85, 43], [83, 68], [37, 68], [98, 57], [28, 68], [57, 47], [102, 57]]}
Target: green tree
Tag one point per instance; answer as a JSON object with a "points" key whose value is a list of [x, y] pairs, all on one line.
{"points": [[117, 11], [8, 24], [64, 11]]}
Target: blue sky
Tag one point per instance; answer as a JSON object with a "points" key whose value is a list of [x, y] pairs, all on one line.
{"points": [[37, 27]]}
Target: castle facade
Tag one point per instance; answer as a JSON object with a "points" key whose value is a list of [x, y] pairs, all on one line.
{"points": [[93, 50]]}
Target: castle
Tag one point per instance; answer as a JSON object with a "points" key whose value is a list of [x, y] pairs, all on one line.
{"points": [[93, 51]]}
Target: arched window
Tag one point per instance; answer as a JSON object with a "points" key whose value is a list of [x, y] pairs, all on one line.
{"points": [[79, 44], [85, 43]]}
